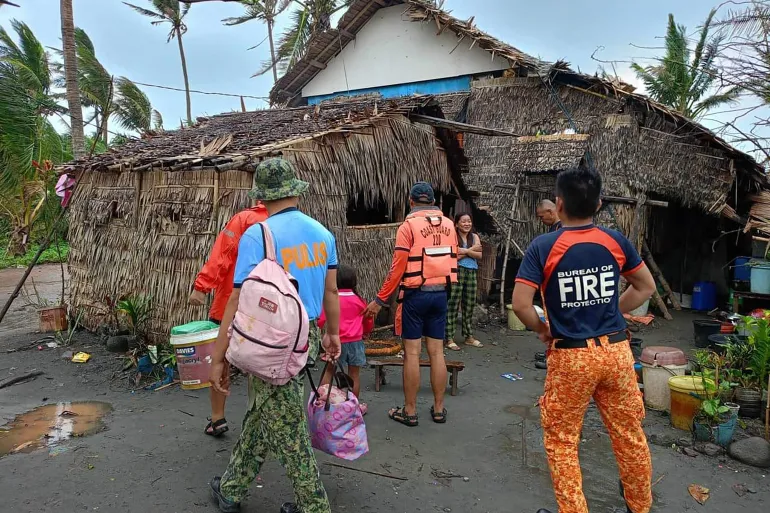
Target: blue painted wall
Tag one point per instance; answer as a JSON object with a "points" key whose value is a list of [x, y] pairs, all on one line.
{"points": [[440, 86]]}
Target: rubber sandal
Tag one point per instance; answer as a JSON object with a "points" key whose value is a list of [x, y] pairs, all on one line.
{"points": [[438, 418], [474, 343], [400, 416], [217, 428], [454, 347]]}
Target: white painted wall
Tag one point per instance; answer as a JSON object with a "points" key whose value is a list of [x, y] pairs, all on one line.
{"points": [[391, 50]]}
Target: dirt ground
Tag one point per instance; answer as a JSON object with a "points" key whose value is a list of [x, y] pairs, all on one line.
{"points": [[153, 455]]}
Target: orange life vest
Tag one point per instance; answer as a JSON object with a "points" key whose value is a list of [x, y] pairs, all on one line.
{"points": [[433, 254]]}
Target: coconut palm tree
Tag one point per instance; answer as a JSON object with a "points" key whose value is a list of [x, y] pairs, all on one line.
{"points": [[683, 78], [267, 11], [106, 95], [172, 12], [71, 78], [310, 17], [27, 137]]}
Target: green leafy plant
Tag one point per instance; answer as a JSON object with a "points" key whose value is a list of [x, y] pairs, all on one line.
{"points": [[712, 410], [65, 338], [136, 310], [758, 362]]}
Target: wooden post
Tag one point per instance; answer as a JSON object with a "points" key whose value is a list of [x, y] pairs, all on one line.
{"points": [[658, 274], [508, 249], [137, 198], [767, 413], [215, 201], [637, 239], [636, 224], [661, 306]]}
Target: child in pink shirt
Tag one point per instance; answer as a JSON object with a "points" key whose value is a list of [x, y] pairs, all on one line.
{"points": [[353, 327]]}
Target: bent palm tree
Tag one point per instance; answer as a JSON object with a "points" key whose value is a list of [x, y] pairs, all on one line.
{"points": [[71, 78], [267, 11], [26, 135], [311, 17], [682, 79], [108, 96], [132, 107], [171, 12]]}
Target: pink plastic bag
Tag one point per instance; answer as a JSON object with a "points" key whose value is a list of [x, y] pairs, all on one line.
{"points": [[336, 423]]}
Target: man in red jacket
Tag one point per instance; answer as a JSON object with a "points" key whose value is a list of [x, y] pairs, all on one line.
{"points": [[217, 275]]}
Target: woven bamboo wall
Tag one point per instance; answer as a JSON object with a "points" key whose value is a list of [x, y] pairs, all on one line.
{"points": [[636, 153], [156, 243]]}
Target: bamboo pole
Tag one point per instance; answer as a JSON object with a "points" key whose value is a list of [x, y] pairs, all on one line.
{"points": [[31, 265], [767, 412], [507, 250], [658, 274], [634, 237]]}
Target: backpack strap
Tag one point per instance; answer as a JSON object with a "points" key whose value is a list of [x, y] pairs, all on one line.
{"points": [[268, 242]]}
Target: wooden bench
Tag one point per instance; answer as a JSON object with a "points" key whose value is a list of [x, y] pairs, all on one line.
{"points": [[453, 367]]}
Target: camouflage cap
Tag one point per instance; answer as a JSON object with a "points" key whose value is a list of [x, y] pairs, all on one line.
{"points": [[276, 179]]}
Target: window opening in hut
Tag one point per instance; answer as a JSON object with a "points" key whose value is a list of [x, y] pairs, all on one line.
{"points": [[361, 215], [115, 212]]}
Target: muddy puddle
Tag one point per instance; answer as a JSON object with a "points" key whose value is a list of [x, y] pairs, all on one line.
{"points": [[49, 425]]}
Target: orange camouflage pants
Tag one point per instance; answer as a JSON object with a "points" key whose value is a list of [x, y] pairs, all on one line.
{"points": [[605, 372]]}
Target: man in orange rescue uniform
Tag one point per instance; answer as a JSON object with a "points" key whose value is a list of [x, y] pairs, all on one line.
{"points": [[424, 266], [578, 270], [217, 275]]}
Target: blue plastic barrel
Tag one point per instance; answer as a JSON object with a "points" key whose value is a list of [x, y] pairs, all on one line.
{"points": [[742, 271], [704, 296], [760, 276]]}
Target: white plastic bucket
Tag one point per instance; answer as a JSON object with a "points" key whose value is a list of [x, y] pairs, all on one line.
{"points": [[642, 310], [657, 393], [193, 357]]}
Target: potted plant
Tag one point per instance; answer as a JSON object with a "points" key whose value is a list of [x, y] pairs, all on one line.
{"points": [[755, 361], [52, 315], [715, 421], [132, 314]]}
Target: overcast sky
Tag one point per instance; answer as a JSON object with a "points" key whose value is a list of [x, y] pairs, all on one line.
{"points": [[218, 60]]}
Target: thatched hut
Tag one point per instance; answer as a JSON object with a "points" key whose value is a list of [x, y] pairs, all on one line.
{"points": [[145, 215], [548, 118], [644, 151]]}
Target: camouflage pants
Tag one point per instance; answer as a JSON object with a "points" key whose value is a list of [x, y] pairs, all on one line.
{"points": [[605, 372], [275, 424]]}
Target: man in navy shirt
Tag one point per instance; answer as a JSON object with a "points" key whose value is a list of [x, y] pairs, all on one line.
{"points": [[546, 212], [577, 270]]}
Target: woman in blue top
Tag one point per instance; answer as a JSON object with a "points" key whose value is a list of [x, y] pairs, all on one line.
{"points": [[464, 291]]}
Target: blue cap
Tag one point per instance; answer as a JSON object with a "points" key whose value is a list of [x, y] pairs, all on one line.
{"points": [[422, 192]]}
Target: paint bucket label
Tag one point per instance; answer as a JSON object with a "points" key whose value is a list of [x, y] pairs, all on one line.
{"points": [[185, 351]]}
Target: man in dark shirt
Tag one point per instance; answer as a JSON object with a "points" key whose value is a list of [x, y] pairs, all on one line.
{"points": [[577, 270], [546, 212]]}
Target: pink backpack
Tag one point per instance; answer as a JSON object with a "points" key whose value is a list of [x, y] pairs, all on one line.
{"points": [[269, 334]]}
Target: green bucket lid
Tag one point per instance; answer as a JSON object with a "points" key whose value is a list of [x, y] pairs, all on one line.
{"points": [[194, 327]]}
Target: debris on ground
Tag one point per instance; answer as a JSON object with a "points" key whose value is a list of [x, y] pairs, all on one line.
{"points": [[55, 451], [699, 493], [20, 379], [689, 451], [709, 449], [81, 357], [741, 489], [440, 474]]}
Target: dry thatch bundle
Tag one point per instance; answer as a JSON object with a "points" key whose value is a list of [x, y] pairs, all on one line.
{"points": [[144, 219], [638, 153]]}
